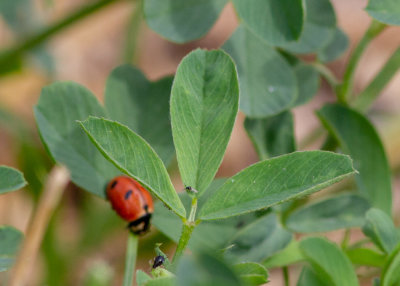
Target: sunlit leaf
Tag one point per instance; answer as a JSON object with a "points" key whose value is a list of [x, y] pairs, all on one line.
{"points": [[133, 156], [274, 181], [204, 104]]}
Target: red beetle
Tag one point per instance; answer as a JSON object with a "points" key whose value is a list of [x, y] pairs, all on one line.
{"points": [[132, 202]]}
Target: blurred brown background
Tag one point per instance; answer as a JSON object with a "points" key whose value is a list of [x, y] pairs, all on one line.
{"points": [[86, 53]]}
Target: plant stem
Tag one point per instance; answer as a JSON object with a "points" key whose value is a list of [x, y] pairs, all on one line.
{"points": [[133, 33], [130, 259], [345, 89], [187, 229], [57, 181], [346, 239], [14, 53], [285, 271], [193, 210], [373, 90], [327, 74]]}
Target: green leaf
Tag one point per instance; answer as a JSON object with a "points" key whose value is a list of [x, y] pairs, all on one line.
{"points": [[366, 256], [319, 28], [276, 21], [60, 105], [380, 228], [344, 211], [272, 136], [330, 263], [259, 240], [385, 11], [10, 179], [309, 278], [251, 273], [133, 155], [10, 240], [275, 181], [204, 104], [289, 255], [358, 138], [335, 48], [267, 82], [390, 273], [182, 21], [143, 106], [308, 81], [205, 269], [18, 15]]}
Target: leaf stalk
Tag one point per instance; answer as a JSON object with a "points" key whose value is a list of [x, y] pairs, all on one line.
{"points": [[344, 90], [130, 259]]}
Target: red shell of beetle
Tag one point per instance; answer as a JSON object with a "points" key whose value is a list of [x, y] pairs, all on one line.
{"points": [[129, 198]]}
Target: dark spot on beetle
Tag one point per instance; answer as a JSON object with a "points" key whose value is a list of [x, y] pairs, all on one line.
{"points": [[158, 261], [113, 184], [146, 208], [128, 194]]}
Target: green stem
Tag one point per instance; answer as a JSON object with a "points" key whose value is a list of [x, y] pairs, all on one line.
{"points": [[130, 260], [14, 53], [346, 239], [193, 210], [132, 34], [345, 89], [373, 90], [187, 229], [327, 74], [285, 271]]}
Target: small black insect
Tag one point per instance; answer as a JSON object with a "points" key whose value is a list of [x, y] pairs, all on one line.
{"points": [[158, 261], [191, 190]]}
